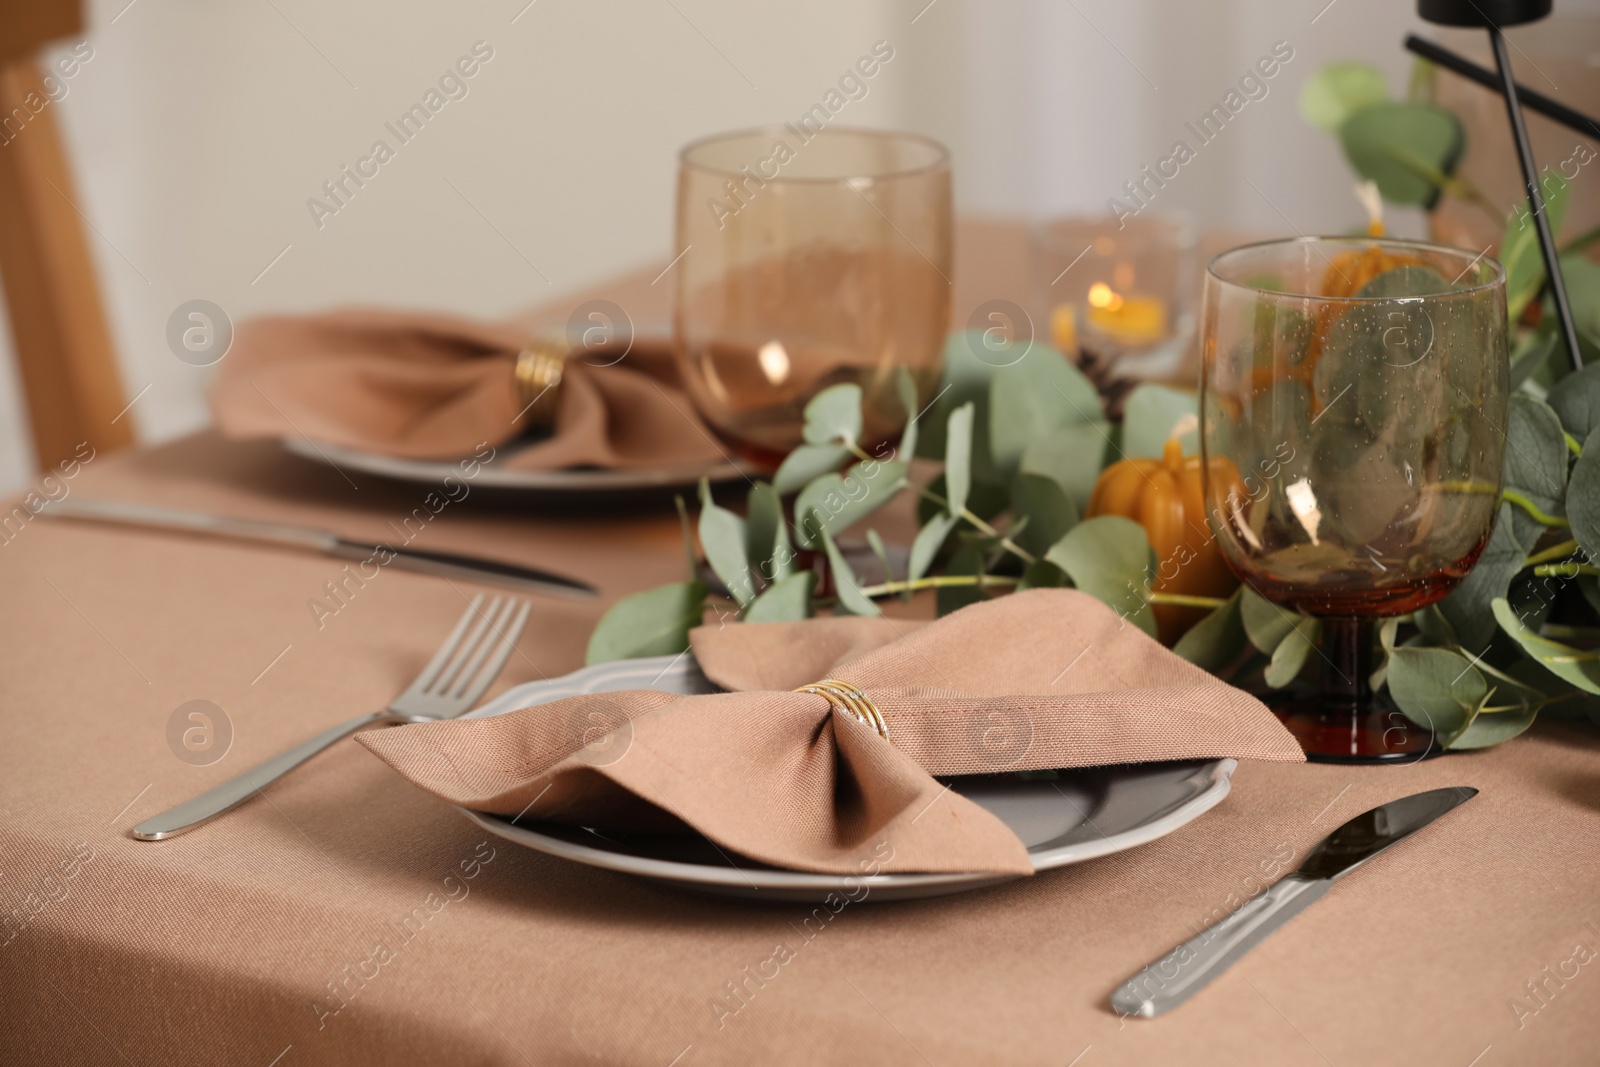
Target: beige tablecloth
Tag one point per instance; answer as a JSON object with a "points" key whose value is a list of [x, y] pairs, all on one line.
{"points": [[256, 940]]}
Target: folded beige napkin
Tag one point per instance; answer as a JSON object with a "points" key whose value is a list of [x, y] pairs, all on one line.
{"points": [[1046, 678], [1040, 679], [436, 387]]}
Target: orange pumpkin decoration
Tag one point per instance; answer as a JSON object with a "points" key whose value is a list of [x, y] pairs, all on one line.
{"points": [[1166, 497]]}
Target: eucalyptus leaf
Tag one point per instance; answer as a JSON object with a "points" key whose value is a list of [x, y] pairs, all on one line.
{"points": [[684, 527], [1047, 510], [1152, 413], [1536, 462], [1436, 688], [1072, 457], [1577, 402], [1216, 640], [880, 550], [833, 416], [1583, 496], [1434, 627], [1532, 355], [653, 623], [907, 390], [1289, 658], [1582, 276], [767, 534], [722, 537], [1339, 90], [1265, 623], [965, 380], [1571, 665], [1042, 574], [1040, 393], [958, 458], [1491, 728], [845, 585], [967, 561], [1109, 557], [983, 500], [925, 546], [806, 464], [1562, 700], [1532, 598], [1386, 634], [1468, 608], [1519, 248], [786, 600], [839, 501], [1408, 149], [763, 518]]}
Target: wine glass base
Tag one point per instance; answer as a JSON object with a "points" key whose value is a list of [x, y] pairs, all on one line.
{"points": [[1332, 731]]}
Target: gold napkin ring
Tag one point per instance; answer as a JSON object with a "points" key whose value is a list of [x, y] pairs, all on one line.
{"points": [[851, 700], [540, 367]]}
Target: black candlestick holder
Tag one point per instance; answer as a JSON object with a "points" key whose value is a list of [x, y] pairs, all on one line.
{"points": [[1492, 15]]}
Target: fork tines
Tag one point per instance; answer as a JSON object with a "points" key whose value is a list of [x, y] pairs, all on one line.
{"points": [[476, 651]]}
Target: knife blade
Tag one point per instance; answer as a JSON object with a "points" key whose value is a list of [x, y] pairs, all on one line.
{"points": [[326, 542], [1176, 977]]}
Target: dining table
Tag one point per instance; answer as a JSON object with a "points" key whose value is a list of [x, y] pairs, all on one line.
{"points": [[268, 937]]}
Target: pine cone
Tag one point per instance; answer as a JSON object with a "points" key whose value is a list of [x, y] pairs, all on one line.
{"points": [[1099, 365]]}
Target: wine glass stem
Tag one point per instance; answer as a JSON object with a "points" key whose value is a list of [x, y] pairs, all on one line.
{"points": [[1347, 644]]}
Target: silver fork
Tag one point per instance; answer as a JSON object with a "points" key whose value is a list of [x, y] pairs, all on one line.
{"points": [[459, 673]]}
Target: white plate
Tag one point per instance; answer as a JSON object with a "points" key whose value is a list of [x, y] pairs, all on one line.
{"points": [[495, 475], [1084, 814]]}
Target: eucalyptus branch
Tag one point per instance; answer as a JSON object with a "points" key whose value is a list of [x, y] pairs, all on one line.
{"points": [[1495, 672], [1456, 185], [1004, 541], [1183, 600], [1534, 704], [983, 527], [1461, 187], [1561, 551], [1511, 496], [1568, 633], [1564, 570], [1572, 444], [938, 581]]}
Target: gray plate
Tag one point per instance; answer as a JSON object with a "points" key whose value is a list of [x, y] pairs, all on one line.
{"points": [[495, 475], [1085, 813]]}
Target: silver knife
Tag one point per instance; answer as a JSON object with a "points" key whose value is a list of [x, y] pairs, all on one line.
{"points": [[442, 564], [1177, 976]]}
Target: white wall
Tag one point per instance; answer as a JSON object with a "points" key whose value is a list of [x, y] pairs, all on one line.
{"points": [[199, 130]]}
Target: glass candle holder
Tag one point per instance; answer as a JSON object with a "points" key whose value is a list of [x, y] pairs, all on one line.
{"points": [[1121, 296], [809, 258], [1353, 405]]}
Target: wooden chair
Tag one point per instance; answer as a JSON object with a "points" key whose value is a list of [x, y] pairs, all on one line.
{"points": [[58, 324]]}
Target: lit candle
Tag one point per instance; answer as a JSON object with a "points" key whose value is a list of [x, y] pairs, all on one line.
{"points": [[1126, 319]]}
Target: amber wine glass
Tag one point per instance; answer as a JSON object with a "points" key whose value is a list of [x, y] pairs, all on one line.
{"points": [[809, 257], [1353, 399]]}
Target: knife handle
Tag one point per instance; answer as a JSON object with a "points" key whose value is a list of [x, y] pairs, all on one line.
{"points": [[237, 790], [1177, 976]]}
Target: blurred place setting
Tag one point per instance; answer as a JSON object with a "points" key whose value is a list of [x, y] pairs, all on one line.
{"points": [[895, 532]]}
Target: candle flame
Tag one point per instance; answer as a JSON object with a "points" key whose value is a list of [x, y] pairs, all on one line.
{"points": [[1102, 296]]}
